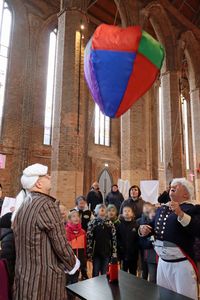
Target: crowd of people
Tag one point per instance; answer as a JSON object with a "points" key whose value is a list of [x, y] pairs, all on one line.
{"points": [[47, 247]]}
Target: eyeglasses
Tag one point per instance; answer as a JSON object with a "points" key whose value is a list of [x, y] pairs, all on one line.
{"points": [[47, 176]]}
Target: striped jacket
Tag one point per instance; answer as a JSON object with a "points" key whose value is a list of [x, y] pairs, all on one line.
{"points": [[42, 251]]}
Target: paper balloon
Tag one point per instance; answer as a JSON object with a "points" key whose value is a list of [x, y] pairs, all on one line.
{"points": [[120, 65]]}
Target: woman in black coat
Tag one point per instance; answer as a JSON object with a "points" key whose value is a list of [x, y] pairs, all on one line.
{"points": [[114, 197], [135, 201]]}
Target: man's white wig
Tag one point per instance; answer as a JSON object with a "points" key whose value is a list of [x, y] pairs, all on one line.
{"points": [[187, 184], [29, 178]]}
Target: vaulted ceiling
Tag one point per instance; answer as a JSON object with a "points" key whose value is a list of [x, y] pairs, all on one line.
{"points": [[105, 11], [189, 8]]}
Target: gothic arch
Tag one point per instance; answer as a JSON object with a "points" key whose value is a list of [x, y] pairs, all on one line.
{"points": [[129, 12], [105, 181], [155, 13], [189, 46], [49, 24]]}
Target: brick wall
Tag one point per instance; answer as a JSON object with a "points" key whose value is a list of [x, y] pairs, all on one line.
{"points": [[22, 137]]}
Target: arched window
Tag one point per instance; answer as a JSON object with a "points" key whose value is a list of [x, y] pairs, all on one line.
{"points": [[50, 87], [185, 126], [184, 87], [161, 124], [102, 128], [5, 32]]}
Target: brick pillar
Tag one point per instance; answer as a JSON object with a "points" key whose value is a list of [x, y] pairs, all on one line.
{"points": [[136, 130], [172, 126], [195, 118], [19, 105], [69, 116], [135, 142]]}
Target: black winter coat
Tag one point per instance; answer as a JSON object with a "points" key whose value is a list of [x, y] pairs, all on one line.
{"points": [[144, 242], [101, 238], [115, 198], [94, 198], [8, 245], [1, 204], [127, 240], [137, 206]]}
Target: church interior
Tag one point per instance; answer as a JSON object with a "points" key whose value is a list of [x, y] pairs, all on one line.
{"points": [[48, 117]]}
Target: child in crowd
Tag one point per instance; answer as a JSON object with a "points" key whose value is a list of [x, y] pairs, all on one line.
{"points": [[150, 254], [144, 220], [127, 240], [84, 213], [63, 212], [76, 237], [112, 214], [101, 241], [85, 216]]}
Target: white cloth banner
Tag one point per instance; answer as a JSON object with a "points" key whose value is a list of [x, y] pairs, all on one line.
{"points": [[8, 203], [124, 186], [2, 161], [150, 190]]}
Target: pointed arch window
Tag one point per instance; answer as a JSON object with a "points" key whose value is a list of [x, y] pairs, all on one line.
{"points": [[5, 33], [50, 89], [161, 124], [102, 128], [185, 126]]}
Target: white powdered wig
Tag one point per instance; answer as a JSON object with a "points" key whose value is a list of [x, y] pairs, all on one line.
{"points": [[187, 184], [31, 175], [29, 178]]}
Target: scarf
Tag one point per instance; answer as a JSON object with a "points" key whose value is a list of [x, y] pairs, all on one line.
{"points": [[73, 231]]}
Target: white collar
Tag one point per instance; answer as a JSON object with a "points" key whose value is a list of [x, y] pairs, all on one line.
{"points": [[193, 202]]}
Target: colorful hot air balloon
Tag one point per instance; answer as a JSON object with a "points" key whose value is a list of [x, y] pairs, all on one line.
{"points": [[120, 65]]}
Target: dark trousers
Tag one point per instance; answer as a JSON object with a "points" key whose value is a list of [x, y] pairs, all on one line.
{"points": [[144, 265], [84, 269], [129, 266], [100, 265], [70, 280], [152, 272]]}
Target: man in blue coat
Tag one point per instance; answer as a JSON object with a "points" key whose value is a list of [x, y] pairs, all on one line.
{"points": [[174, 228]]}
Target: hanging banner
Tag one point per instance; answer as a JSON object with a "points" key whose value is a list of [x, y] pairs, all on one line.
{"points": [[8, 205], [150, 190], [124, 186]]}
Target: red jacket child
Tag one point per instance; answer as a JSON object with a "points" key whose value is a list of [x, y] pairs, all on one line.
{"points": [[76, 237]]}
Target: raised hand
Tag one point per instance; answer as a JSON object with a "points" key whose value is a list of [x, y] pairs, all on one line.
{"points": [[145, 230], [175, 207]]}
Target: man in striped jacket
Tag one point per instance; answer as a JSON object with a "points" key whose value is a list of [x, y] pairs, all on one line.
{"points": [[43, 254]]}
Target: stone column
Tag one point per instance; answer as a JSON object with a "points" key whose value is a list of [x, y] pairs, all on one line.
{"points": [[195, 118], [173, 166], [69, 116]]}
